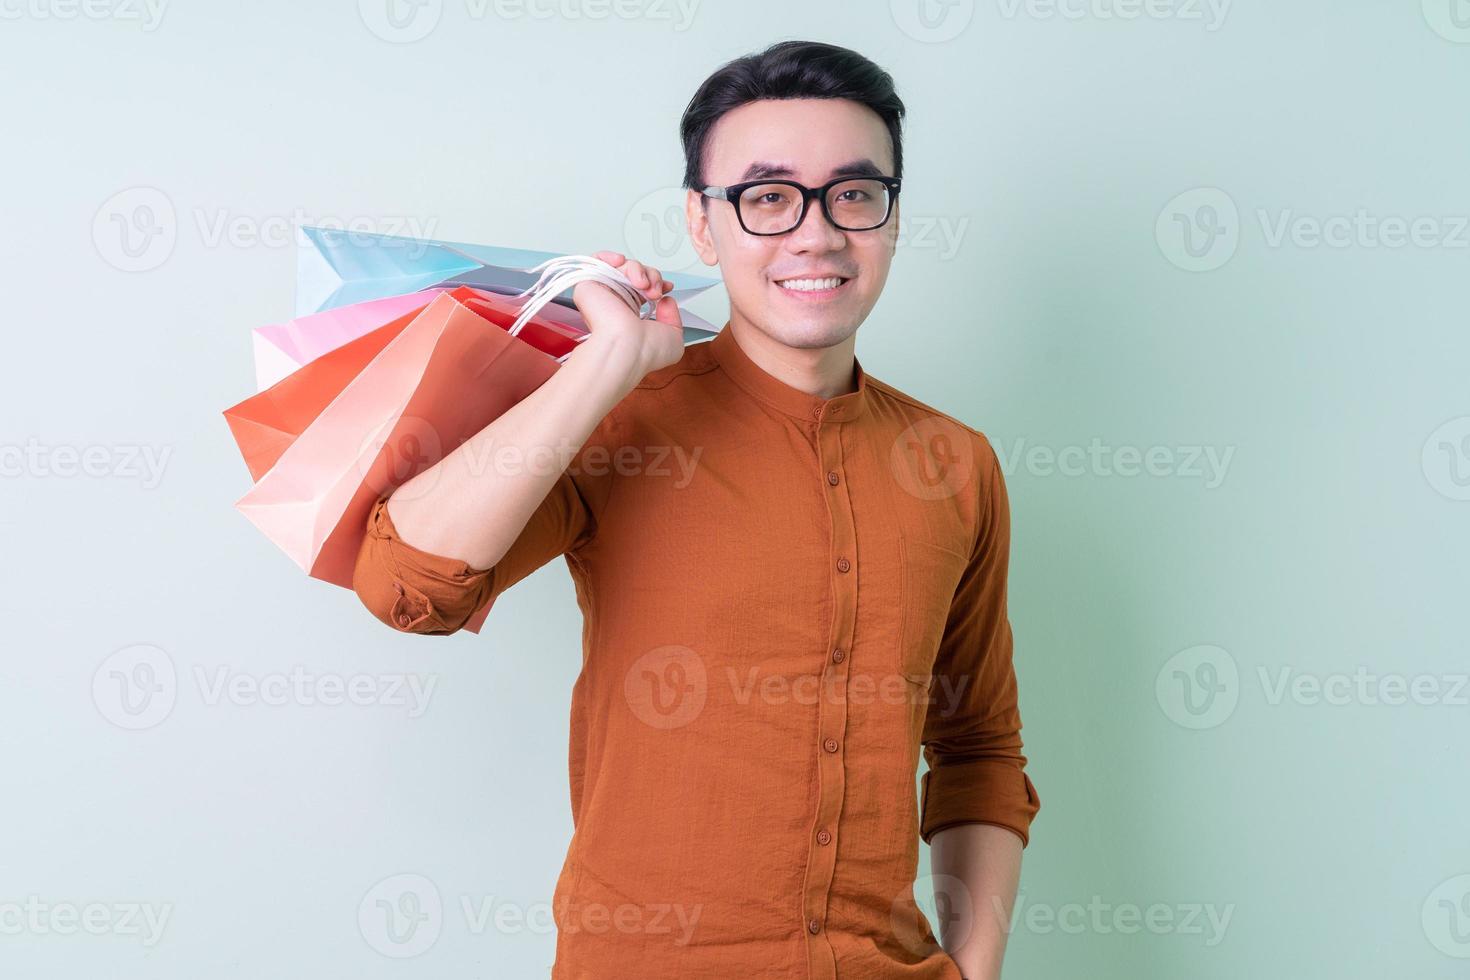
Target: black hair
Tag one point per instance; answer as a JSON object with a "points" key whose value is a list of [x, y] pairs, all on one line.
{"points": [[789, 70]]}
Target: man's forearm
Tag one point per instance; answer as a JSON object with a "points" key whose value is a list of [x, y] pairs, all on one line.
{"points": [[983, 862], [469, 508]]}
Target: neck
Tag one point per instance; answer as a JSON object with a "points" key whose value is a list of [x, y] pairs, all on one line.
{"points": [[825, 372]]}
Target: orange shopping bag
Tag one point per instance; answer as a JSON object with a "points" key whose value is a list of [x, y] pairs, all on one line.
{"points": [[365, 418], [266, 423]]}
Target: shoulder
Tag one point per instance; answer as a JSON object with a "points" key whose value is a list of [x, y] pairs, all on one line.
{"points": [[649, 400], [695, 362], [930, 421]]}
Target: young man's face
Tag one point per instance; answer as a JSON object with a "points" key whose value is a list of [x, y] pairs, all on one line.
{"points": [[815, 140]]}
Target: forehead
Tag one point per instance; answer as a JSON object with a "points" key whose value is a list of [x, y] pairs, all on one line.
{"points": [[811, 140]]}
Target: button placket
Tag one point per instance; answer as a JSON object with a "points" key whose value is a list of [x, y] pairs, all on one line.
{"points": [[832, 712]]}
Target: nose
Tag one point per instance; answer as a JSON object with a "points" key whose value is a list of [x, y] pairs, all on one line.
{"points": [[815, 232]]}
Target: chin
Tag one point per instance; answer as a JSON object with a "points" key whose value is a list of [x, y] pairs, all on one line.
{"points": [[812, 333]]}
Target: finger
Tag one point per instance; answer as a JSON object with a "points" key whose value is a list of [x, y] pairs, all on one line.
{"points": [[636, 273], [668, 286], [667, 311], [655, 283], [613, 259]]}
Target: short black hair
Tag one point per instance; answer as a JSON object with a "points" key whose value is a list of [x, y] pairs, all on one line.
{"points": [[789, 70]]}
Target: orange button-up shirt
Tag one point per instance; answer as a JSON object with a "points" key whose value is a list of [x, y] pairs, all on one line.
{"points": [[784, 597]]}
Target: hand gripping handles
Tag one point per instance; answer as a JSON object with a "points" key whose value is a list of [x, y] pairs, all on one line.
{"points": [[565, 271]]}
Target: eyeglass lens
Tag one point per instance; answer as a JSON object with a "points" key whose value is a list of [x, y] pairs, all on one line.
{"points": [[855, 205]]}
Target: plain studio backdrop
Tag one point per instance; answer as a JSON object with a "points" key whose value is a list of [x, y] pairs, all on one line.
{"points": [[1197, 269]]}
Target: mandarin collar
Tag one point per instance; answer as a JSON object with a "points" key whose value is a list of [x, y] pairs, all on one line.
{"points": [[793, 401]]}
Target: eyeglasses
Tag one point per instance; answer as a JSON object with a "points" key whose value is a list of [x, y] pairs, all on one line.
{"points": [[775, 207]]}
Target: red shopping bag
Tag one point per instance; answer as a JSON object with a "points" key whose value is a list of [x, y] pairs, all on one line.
{"points": [[267, 422], [446, 373]]}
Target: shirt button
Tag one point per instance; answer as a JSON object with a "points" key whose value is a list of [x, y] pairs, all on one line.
{"points": [[832, 477], [843, 564], [813, 926], [823, 837], [402, 619], [817, 412], [830, 745], [837, 656]]}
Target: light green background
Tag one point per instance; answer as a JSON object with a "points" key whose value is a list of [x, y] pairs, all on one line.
{"points": [[1043, 293]]}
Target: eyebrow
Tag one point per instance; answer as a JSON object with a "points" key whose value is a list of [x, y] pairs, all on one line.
{"points": [[855, 168]]}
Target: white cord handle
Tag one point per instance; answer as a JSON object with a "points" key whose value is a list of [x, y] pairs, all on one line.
{"points": [[564, 271]]}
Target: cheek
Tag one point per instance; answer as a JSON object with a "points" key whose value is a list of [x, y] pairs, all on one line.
{"points": [[877, 261], [743, 263]]}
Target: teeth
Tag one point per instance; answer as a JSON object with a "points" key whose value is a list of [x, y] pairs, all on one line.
{"points": [[809, 285]]}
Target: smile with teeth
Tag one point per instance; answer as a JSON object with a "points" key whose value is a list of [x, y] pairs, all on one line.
{"points": [[811, 285]]}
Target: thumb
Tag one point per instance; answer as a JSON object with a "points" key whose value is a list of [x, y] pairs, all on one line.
{"points": [[667, 311]]}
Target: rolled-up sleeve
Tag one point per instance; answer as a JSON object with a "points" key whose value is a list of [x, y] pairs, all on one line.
{"points": [[972, 733], [416, 591]]}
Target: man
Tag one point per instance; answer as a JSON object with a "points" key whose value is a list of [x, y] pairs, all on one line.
{"points": [[792, 577]]}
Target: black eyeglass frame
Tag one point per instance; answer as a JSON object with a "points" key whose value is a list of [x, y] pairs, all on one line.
{"points": [[733, 192]]}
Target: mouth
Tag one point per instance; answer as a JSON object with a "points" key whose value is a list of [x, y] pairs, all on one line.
{"points": [[813, 290]]}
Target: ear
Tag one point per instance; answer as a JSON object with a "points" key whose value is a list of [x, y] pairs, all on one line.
{"points": [[696, 220]]}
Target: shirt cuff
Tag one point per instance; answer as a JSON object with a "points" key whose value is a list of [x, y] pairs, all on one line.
{"points": [[977, 792], [412, 590]]}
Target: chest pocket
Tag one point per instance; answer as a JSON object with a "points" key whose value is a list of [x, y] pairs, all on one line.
{"points": [[930, 575]]}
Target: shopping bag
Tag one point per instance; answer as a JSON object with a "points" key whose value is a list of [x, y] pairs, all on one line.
{"points": [[266, 423], [446, 374], [281, 348], [349, 283], [336, 267]]}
